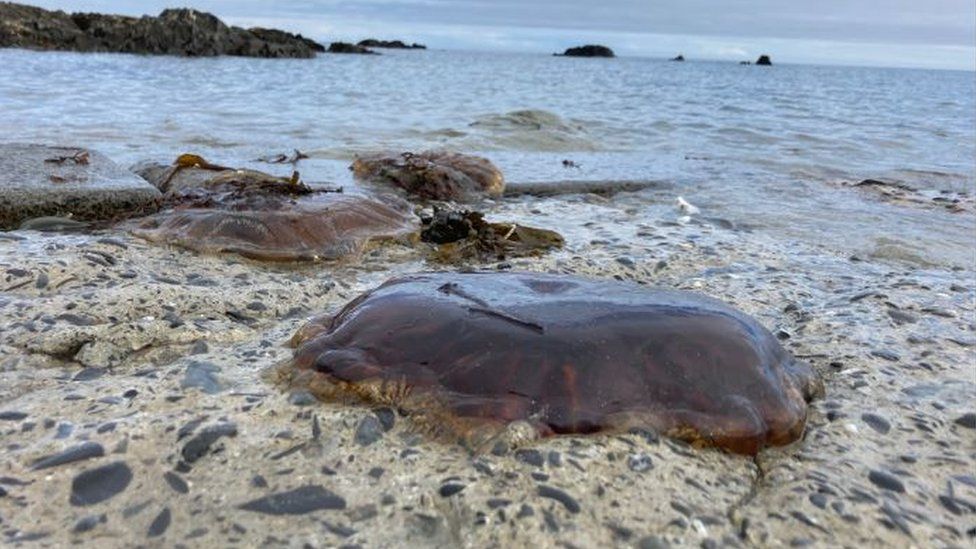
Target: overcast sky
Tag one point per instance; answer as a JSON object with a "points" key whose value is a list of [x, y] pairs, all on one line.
{"points": [[914, 33]]}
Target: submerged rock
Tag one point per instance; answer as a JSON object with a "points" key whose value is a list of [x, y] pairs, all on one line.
{"points": [[214, 209], [391, 44], [589, 50], [185, 32], [434, 175], [68, 183], [468, 354]]}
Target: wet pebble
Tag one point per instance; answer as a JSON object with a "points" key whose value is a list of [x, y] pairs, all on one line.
{"points": [[85, 450], [12, 416], [299, 501], [301, 398], [640, 462], [531, 456], [886, 481], [176, 482], [368, 431], [386, 416], [87, 524], [99, 484], [568, 501], [450, 489], [202, 375], [966, 420]]}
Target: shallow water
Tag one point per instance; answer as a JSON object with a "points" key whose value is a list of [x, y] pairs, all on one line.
{"points": [[764, 148]]}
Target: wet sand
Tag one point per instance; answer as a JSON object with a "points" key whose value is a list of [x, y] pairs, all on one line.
{"points": [[151, 363]]}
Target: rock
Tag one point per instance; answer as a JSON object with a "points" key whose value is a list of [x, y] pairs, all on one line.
{"points": [[369, 430], [184, 32], [678, 58], [12, 416], [568, 501], [85, 450], [159, 524], [967, 420], [68, 182], [99, 484], [203, 376], [764, 60], [200, 445], [346, 47], [176, 482], [391, 44], [589, 50], [881, 479], [450, 489], [86, 524], [296, 502]]}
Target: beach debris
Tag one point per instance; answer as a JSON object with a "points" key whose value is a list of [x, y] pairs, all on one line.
{"points": [[464, 235], [433, 175], [282, 158], [214, 209], [468, 355]]}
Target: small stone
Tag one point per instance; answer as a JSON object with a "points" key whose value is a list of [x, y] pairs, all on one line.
{"points": [[369, 430], [376, 472], [530, 456], [567, 500], [301, 398], [259, 481], [85, 450], [886, 481], [200, 445], [99, 484], [450, 489], [160, 523], [12, 416], [885, 354], [203, 376], [386, 416], [176, 482], [88, 374], [876, 422], [299, 501], [640, 462], [966, 420], [86, 524], [653, 542]]}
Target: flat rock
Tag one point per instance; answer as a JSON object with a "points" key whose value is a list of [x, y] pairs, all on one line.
{"points": [[99, 484], [70, 182], [299, 501], [85, 450]]}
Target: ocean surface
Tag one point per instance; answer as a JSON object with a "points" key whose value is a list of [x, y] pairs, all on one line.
{"points": [[766, 148]]}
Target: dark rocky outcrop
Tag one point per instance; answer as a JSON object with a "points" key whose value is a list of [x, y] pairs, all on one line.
{"points": [[184, 32], [764, 60], [346, 47], [679, 57], [589, 50], [391, 44]]}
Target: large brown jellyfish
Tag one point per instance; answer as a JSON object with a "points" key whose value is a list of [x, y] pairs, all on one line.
{"points": [[563, 353], [434, 175], [269, 218]]}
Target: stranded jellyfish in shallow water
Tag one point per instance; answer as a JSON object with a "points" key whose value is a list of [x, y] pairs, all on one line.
{"points": [[272, 219], [434, 175], [566, 354]]}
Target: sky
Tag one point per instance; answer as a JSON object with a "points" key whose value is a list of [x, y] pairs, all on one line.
{"points": [[902, 33]]}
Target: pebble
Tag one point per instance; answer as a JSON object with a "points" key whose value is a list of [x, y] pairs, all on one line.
{"points": [[88, 374], [386, 416], [86, 524], [99, 484], [299, 501], [301, 398], [876, 422], [885, 354], [368, 431], [160, 524], [200, 445], [176, 482], [450, 489], [653, 542], [202, 375], [85, 450], [887, 481], [966, 420], [567, 500], [640, 462], [530, 456], [12, 416]]}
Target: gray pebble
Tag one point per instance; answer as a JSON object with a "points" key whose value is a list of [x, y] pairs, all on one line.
{"points": [[567, 500], [202, 375], [640, 462], [876, 422], [386, 416], [85, 450], [299, 501], [966, 420], [887, 481], [301, 398], [176, 482], [99, 484], [88, 523], [653, 542], [160, 524], [369, 430], [450, 489], [12, 416], [531, 456], [200, 445]]}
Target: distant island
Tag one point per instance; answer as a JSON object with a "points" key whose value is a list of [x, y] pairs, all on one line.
{"points": [[184, 32], [589, 50], [391, 44]]}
